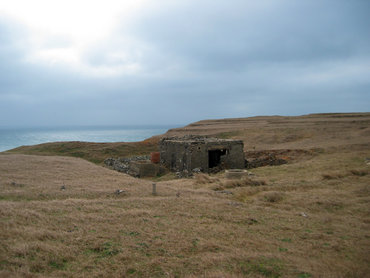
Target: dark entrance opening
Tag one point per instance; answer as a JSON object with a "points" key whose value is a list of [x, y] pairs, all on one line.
{"points": [[214, 157]]}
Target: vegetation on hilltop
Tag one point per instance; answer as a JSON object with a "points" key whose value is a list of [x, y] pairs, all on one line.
{"points": [[93, 152], [313, 133]]}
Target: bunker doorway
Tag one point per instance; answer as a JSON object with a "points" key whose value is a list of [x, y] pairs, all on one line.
{"points": [[214, 157]]}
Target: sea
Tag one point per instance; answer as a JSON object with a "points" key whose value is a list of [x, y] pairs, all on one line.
{"points": [[14, 137]]}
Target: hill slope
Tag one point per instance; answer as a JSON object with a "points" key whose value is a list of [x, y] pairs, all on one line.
{"points": [[317, 131], [278, 132], [61, 216]]}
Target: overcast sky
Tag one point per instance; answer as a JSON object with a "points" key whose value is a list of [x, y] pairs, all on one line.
{"points": [[76, 62]]}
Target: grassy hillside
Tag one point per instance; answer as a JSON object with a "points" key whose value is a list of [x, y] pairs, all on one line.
{"points": [[60, 217], [278, 132], [93, 152], [314, 132]]}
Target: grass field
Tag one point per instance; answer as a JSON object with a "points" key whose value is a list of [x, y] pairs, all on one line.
{"points": [[60, 216]]}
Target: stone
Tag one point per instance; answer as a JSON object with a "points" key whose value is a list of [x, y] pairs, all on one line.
{"points": [[235, 173], [16, 184], [119, 191], [123, 164], [154, 189]]}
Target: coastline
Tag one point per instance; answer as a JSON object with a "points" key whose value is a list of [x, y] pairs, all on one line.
{"points": [[11, 138]]}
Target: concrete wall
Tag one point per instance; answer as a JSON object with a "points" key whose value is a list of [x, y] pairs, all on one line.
{"points": [[188, 154], [143, 168]]}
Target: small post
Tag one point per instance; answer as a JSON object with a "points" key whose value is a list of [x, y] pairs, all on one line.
{"points": [[154, 192]]}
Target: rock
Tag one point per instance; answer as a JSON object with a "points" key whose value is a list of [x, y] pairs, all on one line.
{"points": [[235, 173], [154, 189], [16, 184], [119, 191], [123, 164], [197, 170], [109, 161]]}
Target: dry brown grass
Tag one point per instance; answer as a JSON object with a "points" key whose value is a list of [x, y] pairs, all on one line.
{"points": [[218, 182], [258, 231], [309, 132], [243, 182], [202, 179], [332, 176], [359, 172], [272, 196], [336, 175], [296, 224]]}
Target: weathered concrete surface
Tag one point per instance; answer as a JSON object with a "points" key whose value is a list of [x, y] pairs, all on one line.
{"points": [[207, 154], [143, 168], [236, 173]]}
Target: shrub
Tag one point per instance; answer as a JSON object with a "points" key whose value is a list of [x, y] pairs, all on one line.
{"points": [[273, 196]]}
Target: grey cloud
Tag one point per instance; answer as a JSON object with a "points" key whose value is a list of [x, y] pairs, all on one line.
{"points": [[200, 59], [226, 36]]}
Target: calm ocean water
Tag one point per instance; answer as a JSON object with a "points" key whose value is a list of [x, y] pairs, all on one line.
{"points": [[11, 138]]}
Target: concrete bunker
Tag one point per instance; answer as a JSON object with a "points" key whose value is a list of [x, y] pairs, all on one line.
{"points": [[194, 153]]}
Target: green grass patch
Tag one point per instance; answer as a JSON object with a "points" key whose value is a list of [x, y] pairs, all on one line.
{"points": [[131, 271], [268, 267], [304, 275], [58, 264], [107, 249]]}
